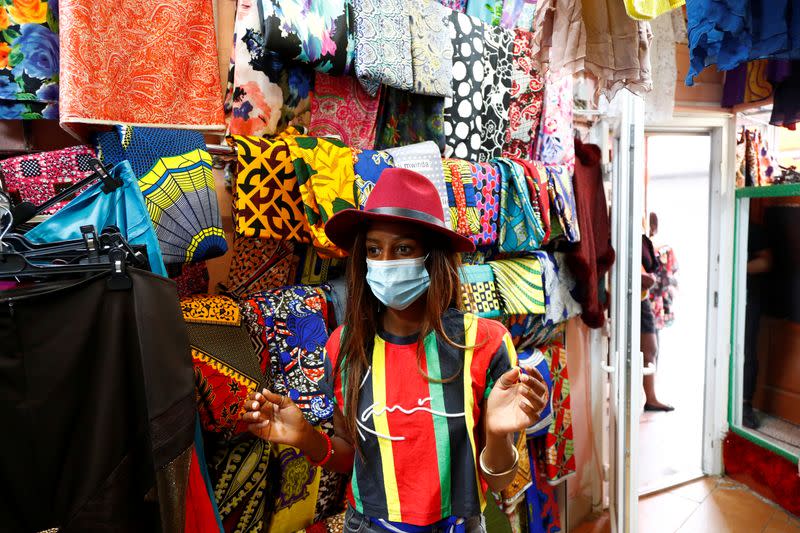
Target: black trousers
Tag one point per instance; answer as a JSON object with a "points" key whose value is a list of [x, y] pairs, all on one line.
{"points": [[97, 407]]}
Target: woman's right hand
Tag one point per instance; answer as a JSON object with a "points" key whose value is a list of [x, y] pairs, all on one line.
{"points": [[276, 418]]}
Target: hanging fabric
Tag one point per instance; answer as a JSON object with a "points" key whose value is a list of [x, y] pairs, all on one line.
{"points": [[455, 5], [530, 331], [488, 11], [560, 306], [169, 80], [341, 108], [512, 11], [426, 159], [260, 264], [29, 60], [264, 94], [785, 107], [177, 182], [525, 106], [431, 48], [533, 358], [520, 285], [537, 179], [368, 166], [191, 278], [479, 291], [406, 118], [555, 145], [562, 200], [559, 36], [461, 196], [651, 9], [316, 32], [520, 229], [383, 44], [486, 181], [559, 446], [668, 30], [496, 90]]}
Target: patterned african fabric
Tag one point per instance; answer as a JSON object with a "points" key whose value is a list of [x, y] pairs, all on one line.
{"points": [[520, 285], [175, 175], [512, 10], [520, 229], [530, 331], [29, 60], [313, 269], [264, 94], [540, 499], [558, 284], [419, 464], [383, 44], [169, 80], [296, 491], [555, 145], [455, 5], [496, 90], [341, 108], [330, 495], [407, 118], [463, 112], [486, 182], [461, 196], [562, 200], [559, 448], [39, 177], [525, 107], [315, 32], [241, 480], [489, 11], [533, 358], [266, 195], [191, 278], [287, 326], [425, 158], [226, 368], [334, 524], [538, 181], [515, 491], [431, 48], [260, 264], [324, 169], [478, 291], [368, 165]]}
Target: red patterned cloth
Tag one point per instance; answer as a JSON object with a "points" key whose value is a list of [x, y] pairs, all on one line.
{"points": [[341, 107], [559, 446], [525, 108], [39, 177]]}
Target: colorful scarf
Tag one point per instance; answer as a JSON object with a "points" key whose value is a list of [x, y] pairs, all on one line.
{"points": [[36, 178], [496, 90], [520, 285], [324, 169], [260, 264], [562, 200], [266, 196], [368, 166], [177, 182], [559, 455], [536, 176], [315, 32], [407, 118], [478, 291], [341, 108], [425, 158], [486, 181], [383, 44], [461, 196], [29, 60], [520, 229], [555, 145], [264, 95], [171, 67], [463, 112], [431, 48], [525, 107]]}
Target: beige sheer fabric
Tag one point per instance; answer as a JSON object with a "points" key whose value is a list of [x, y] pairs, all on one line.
{"points": [[559, 36], [668, 30]]}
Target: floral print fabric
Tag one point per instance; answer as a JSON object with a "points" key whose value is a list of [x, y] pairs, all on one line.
{"points": [[264, 94], [407, 118], [171, 72], [555, 144], [315, 32], [496, 90], [383, 44], [431, 49], [455, 5], [29, 59], [525, 107], [486, 181], [368, 166], [341, 108], [488, 11]]}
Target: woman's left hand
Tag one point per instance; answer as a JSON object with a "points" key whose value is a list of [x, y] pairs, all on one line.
{"points": [[515, 402]]}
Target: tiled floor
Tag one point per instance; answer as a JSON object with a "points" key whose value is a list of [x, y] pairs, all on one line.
{"points": [[709, 505]]}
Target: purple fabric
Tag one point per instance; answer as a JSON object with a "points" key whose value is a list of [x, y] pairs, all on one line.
{"points": [[778, 70], [735, 82], [785, 104]]}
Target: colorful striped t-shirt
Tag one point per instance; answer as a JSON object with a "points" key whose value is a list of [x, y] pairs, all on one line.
{"points": [[419, 437]]}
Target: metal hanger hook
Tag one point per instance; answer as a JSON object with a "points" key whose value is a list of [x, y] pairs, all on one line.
{"points": [[7, 228]]}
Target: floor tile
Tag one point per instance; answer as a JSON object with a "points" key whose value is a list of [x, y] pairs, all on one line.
{"points": [[697, 491], [729, 510], [664, 512], [782, 522], [601, 524]]}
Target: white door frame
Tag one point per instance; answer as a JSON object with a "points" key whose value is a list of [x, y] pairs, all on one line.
{"points": [[722, 129]]}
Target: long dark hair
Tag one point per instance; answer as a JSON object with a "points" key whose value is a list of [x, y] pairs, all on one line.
{"points": [[363, 311]]}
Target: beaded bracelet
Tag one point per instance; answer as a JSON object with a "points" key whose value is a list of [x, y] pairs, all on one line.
{"points": [[328, 453]]}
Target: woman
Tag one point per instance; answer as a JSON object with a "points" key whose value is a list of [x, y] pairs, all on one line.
{"points": [[428, 397]]}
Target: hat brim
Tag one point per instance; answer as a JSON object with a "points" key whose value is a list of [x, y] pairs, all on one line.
{"points": [[343, 227]]}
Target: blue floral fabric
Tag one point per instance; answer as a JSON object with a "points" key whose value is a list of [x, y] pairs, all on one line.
{"points": [[383, 44], [368, 166]]}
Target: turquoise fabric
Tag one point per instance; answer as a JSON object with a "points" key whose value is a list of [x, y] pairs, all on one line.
{"points": [[521, 230], [123, 208]]}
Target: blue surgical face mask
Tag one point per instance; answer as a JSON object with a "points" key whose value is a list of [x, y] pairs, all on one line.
{"points": [[398, 283]]}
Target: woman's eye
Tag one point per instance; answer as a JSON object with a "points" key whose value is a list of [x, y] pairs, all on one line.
{"points": [[403, 249], [373, 251]]}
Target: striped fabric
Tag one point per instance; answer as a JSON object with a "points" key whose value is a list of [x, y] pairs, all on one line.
{"points": [[419, 437], [519, 282]]}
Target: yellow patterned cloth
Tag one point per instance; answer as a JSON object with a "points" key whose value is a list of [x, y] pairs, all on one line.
{"points": [[211, 310], [324, 169], [266, 196], [520, 285], [299, 487]]}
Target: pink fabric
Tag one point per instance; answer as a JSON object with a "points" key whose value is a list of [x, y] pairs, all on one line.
{"points": [[341, 107], [555, 145]]}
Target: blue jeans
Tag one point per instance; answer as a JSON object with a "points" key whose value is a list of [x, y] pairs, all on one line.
{"points": [[355, 522]]}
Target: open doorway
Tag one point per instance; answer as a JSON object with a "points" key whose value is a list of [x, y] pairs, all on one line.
{"points": [[678, 189]]}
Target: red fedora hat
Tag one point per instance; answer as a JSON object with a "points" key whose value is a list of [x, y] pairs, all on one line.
{"points": [[400, 195]]}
